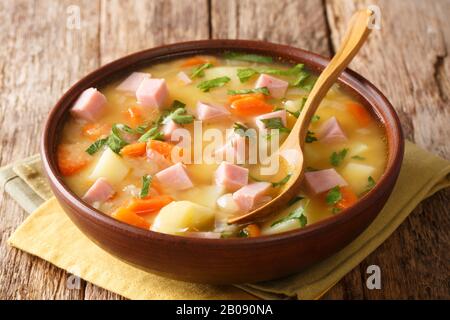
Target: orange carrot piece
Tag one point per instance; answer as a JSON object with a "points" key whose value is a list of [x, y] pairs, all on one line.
{"points": [[235, 97], [194, 61], [252, 230], [124, 214], [348, 199], [161, 147], [360, 113], [149, 205], [250, 106], [93, 131], [134, 150], [71, 160], [133, 116]]}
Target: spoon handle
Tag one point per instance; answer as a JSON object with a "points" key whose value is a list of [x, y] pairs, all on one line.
{"points": [[353, 40]]}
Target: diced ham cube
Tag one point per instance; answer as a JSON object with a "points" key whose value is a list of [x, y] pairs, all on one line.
{"points": [[233, 150], [168, 128], [131, 84], [231, 176], [158, 159], [251, 195], [323, 180], [175, 177], [276, 114], [89, 106], [331, 132], [152, 92], [183, 77], [100, 191], [277, 87], [209, 112]]}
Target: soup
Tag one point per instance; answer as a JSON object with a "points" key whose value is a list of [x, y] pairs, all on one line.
{"points": [[182, 146]]}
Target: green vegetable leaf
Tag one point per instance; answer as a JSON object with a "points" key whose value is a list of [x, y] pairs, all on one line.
{"points": [[245, 74], [146, 182], [300, 79], [242, 130], [337, 157], [243, 233], [180, 116], [275, 123], [177, 104], [247, 57], [97, 145], [124, 128], [152, 134], [358, 158], [370, 183], [207, 85], [262, 90], [297, 69], [333, 196], [315, 118], [297, 214], [200, 70], [294, 200], [335, 210], [282, 182], [115, 141], [310, 137]]}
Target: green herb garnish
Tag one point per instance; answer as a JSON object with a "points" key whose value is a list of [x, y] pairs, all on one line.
{"points": [[335, 210], [315, 118], [250, 57], [310, 137], [180, 116], [146, 182], [243, 233], [207, 85], [177, 104], [200, 70], [97, 145], [115, 141], [295, 70], [358, 158], [152, 134], [275, 123], [370, 184], [245, 74], [297, 214], [242, 130], [294, 200], [282, 182], [337, 157], [262, 90], [333, 196]]}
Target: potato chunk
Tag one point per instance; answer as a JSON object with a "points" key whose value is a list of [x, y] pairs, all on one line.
{"points": [[356, 175], [180, 216], [111, 167], [204, 195]]}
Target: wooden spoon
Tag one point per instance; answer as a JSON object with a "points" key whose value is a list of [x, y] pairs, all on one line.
{"points": [[291, 149]]}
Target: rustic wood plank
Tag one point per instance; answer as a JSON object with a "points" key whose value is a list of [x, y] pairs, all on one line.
{"points": [[39, 58], [408, 61]]}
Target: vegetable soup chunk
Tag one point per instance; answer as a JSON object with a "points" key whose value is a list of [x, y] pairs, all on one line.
{"points": [[182, 146]]}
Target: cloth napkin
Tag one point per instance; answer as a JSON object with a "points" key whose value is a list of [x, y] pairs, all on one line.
{"points": [[50, 235]]}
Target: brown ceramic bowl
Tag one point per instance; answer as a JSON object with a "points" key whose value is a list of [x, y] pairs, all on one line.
{"points": [[223, 261]]}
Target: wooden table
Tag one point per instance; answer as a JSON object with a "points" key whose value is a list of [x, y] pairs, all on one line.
{"points": [[41, 56]]}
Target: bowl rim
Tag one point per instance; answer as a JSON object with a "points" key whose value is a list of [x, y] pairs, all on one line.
{"points": [[348, 78]]}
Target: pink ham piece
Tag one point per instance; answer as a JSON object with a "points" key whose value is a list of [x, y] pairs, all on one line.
{"points": [[89, 106], [131, 84], [209, 112], [231, 176], [233, 150], [331, 132], [276, 114], [158, 159], [323, 180], [277, 87], [100, 191], [249, 196], [183, 77], [152, 92], [175, 177], [168, 128]]}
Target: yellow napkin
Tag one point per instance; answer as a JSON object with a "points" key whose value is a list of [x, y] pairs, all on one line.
{"points": [[49, 234]]}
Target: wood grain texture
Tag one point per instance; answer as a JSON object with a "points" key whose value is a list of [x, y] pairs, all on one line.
{"points": [[408, 59]]}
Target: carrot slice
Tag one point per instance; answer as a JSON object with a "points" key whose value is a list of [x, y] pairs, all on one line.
{"points": [[161, 147], [71, 159], [133, 116], [149, 205], [235, 97], [93, 131], [252, 230], [134, 150], [348, 199], [194, 61], [124, 214], [250, 106], [360, 113]]}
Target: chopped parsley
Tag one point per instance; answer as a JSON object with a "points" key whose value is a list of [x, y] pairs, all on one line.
{"points": [[152, 134], [177, 104], [310, 137], [250, 57], [282, 182], [200, 70], [115, 141], [262, 90], [370, 184], [245, 74], [333, 196], [294, 71], [180, 116], [315, 118], [242, 130], [294, 200], [243, 233], [275, 123], [97, 145], [297, 214], [337, 157], [358, 158], [207, 85], [146, 182]]}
